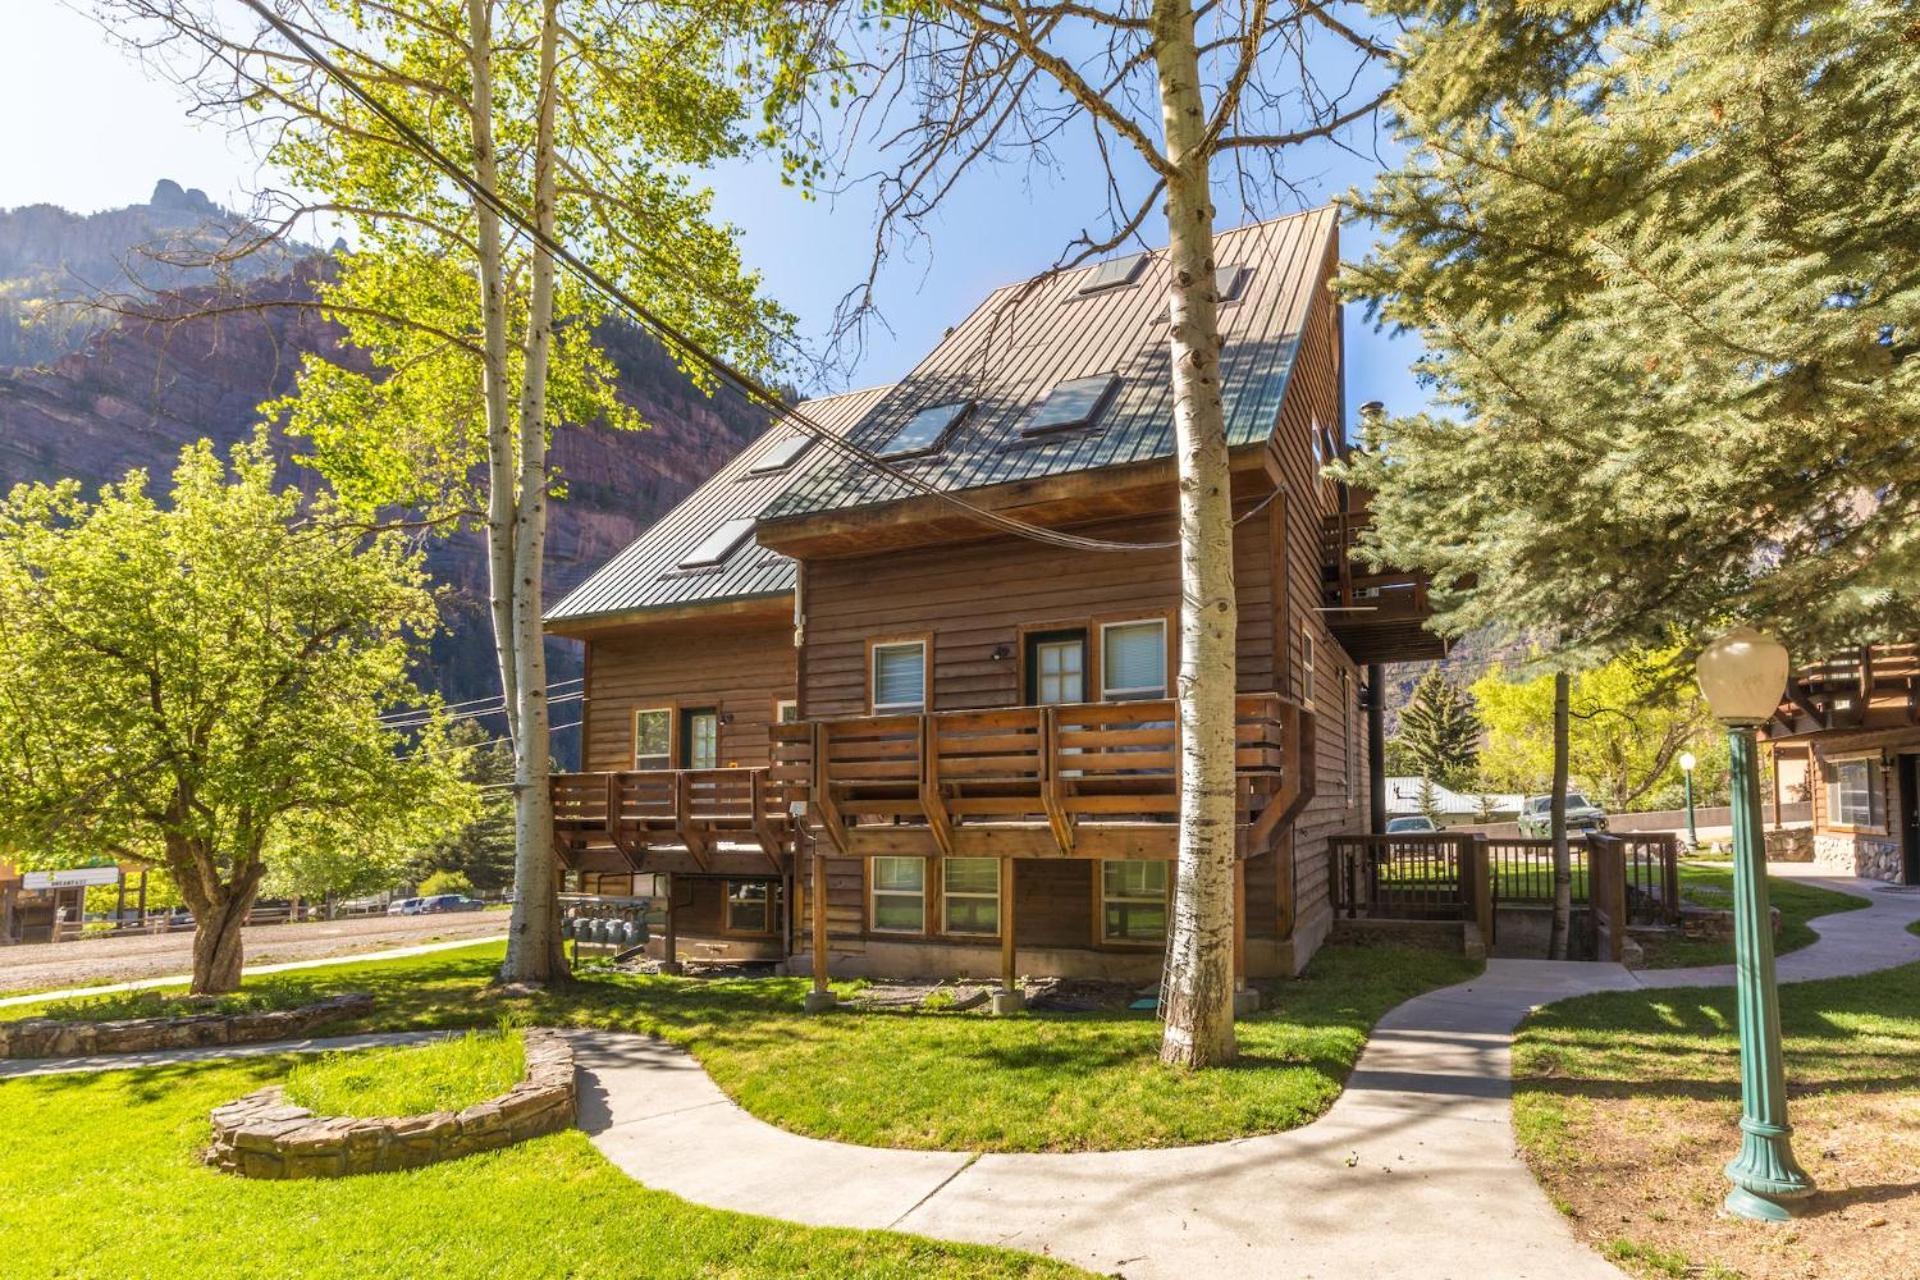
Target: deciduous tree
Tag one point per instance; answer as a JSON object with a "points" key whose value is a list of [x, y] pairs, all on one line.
{"points": [[467, 347], [1179, 99], [193, 686]]}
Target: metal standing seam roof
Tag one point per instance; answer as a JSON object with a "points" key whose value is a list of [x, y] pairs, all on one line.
{"points": [[646, 575], [1012, 351]]}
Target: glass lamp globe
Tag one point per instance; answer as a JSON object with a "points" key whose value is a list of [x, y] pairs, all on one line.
{"points": [[1688, 761], [1742, 675]]}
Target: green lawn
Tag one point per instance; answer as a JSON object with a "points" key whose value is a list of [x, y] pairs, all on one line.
{"points": [[102, 1179], [410, 1080], [1711, 885], [1626, 1104], [941, 1079]]}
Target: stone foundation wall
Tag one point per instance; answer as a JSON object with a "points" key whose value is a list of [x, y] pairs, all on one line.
{"points": [[61, 1038], [1847, 854], [1790, 844], [264, 1136]]}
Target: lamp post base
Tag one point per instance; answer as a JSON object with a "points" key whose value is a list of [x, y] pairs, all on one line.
{"points": [[1742, 1203]]}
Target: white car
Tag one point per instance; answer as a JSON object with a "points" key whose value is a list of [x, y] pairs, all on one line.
{"points": [[1417, 824], [405, 906]]}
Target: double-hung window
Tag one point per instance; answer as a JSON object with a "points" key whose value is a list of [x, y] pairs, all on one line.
{"points": [[1854, 796], [899, 895], [653, 738], [899, 676], [1133, 901], [1133, 660], [750, 906], [970, 895]]}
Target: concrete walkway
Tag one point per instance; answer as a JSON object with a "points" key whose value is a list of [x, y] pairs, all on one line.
{"points": [[250, 971], [1410, 1176]]}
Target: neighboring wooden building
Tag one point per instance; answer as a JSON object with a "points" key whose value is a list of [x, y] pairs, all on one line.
{"points": [[1856, 718], [976, 726]]}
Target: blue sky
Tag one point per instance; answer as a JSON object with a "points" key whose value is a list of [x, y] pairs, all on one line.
{"points": [[104, 145]]}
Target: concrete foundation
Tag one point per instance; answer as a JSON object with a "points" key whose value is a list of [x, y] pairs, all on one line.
{"points": [[1245, 1001], [820, 1001], [1007, 1002]]}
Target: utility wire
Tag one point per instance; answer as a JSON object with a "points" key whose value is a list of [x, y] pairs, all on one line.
{"points": [[745, 384]]}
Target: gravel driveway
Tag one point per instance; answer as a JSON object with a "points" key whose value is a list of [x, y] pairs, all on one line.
{"points": [[47, 966]]}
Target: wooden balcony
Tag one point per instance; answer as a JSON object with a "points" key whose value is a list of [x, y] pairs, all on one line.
{"points": [[1085, 780], [1866, 689], [1376, 616], [714, 821]]}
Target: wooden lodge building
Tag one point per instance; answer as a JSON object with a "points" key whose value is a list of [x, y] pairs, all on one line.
{"points": [[810, 673], [1856, 720]]}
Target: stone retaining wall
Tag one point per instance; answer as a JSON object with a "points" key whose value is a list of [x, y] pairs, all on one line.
{"points": [[264, 1136], [63, 1038]]}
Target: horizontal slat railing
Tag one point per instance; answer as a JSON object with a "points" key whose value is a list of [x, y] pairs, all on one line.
{"points": [[636, 808], [1102, 762]]}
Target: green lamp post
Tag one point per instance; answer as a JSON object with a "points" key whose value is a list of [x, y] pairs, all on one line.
{"points": [[1688, 762], [1742, 675]]}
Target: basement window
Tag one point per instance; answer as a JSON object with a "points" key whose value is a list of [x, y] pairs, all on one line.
{"points": [[926, 430], [1071, 405], [718, 545], [1114, 273], [782, 455], [1133, 902]]}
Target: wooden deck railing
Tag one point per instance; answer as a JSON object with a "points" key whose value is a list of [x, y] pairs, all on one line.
{"points": [[1412, 877], [697, 809], [1108, 763], [1650, 870]]}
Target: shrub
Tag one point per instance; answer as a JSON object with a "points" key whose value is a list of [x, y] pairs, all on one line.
{"points": [[445, 882]]}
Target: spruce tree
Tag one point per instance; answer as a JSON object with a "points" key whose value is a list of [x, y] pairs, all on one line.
{"points": [[1439, 732], [1666, 264]]}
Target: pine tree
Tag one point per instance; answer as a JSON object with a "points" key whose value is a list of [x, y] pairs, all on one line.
{"points": [[1440, 732], [1666, 264]]}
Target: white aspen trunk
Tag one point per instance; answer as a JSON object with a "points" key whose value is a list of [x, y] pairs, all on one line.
{"points": [[534, 952], [1199, 977], [1562, 926], [493, 376]]}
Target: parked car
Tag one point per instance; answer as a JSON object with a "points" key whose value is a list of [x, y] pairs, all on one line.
{"points": [[450, 902], [1536, 815], [1414, 825], [405, 906]]}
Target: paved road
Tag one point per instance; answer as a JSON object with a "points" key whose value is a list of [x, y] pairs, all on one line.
{"points": [[102, 961]]}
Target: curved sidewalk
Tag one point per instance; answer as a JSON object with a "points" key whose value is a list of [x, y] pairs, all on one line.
{"points": [[1410, 1176]]}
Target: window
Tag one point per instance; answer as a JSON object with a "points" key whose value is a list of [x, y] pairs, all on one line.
{"points": [[970, 895], [653, 738], [1229, 281], [750, 906], [900, 895], [1058, 666], [786, 711], [1854, 797], [926, 430], [718, 545], [1133, 660], [1133, 901], [1072, 404], [900, 676], [1114, 273], [782, 455], [700, 738]]}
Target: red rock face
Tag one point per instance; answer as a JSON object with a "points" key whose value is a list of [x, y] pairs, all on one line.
{"points": [[141, 390]]}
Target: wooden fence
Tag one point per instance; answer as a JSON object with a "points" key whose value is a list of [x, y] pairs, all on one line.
{"points": [[1412, 877]]}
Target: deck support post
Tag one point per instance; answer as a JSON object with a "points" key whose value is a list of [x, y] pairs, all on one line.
{"points": [[1009, 999], [821, 997], [670, 946], [1376, 749]]}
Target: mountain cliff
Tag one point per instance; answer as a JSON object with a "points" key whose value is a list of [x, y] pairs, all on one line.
{"points": [[134, 392]]}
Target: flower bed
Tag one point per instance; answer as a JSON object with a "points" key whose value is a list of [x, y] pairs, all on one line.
{"points": [[65, 1038], [264, 1136]]}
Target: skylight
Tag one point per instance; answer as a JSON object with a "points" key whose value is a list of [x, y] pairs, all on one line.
{"points": [[926, 430], [718, 545], [1112, 274], [1229, 281], [1071, 404], [782, 455]]}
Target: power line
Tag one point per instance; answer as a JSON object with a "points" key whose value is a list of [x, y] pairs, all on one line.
{"points": [[454, 711], [481, 714], [745, 384]]}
